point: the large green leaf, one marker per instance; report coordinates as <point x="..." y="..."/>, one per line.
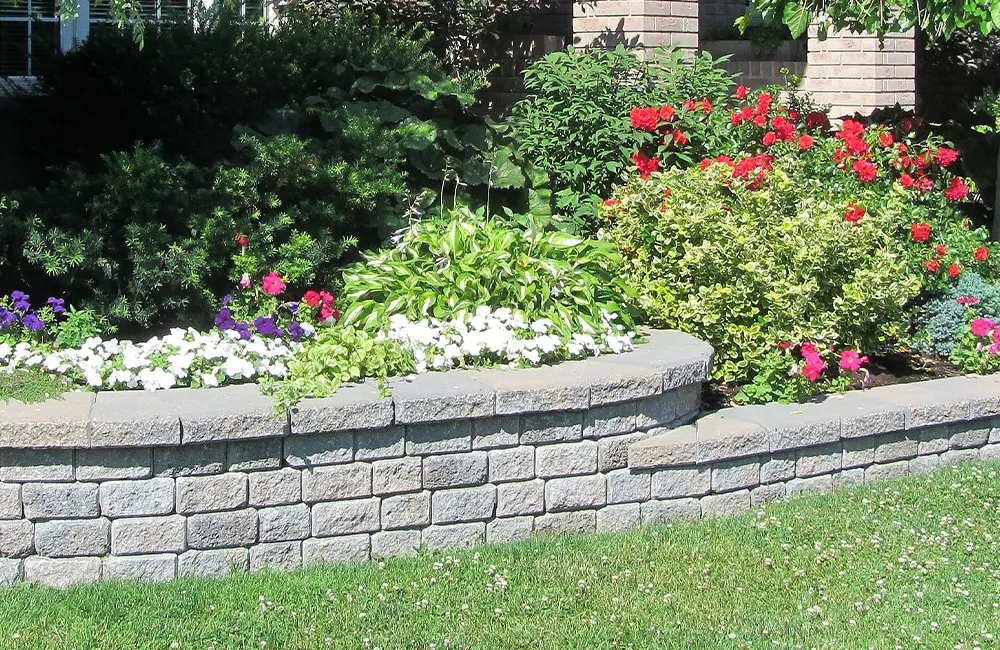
<point x="797" y="17"/>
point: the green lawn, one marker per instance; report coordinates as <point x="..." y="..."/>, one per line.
<point x="910" y="564"/>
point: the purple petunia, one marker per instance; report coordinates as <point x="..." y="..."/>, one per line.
<point x="20" y="300"/>
<point x="294" y="308"/>
<point x="32" y="323"/>
<point x="58" y="305"/>
<point x="265" y="326"/>
<point x="228" y="298"/>
<point x="224" y="320"/>
<point x="295" y="331"/>
<point x="244" y="330"/>
<point x="7" y="318"/>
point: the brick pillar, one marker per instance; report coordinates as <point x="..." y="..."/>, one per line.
<point x="636" y="23"/>
<point x="851" y="71"/>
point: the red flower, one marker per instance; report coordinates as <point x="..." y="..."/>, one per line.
<point x="857" y="146"/>
<point x="741" y="93"/>
<point x="688" y="105"/>
<point x="809" y="349"/>
<point x="933" y="266"/>
<point x="706" y="163"/>
<point x="920" y="232"/>
<point x="886" y="140"/>
<point x="645" y="164"/>
<point x="611" y="202"/>
<point x="736" y="118"/>
<point x="850" y="128"/>
<point x="941" y="250"/>
<point x="957" y="190"/>
<point x="785" y="129"/>
<point x="925" y="184"/>
<point x="644" y="119"/>
<point x="679" y="137"/>
<point x="854" y="214"/>
<point x="982" y="253"/>
<point x="764" y="103"/>
<point x="770" y="138"/>
<point x="906" y="181"/>
<point x="666" y="113"/>
<point x="311" y="298"/>
<point x="946" y="156"/>
<point x="760" y="121"/>
<point x="706" y="106"/>
<point x="818" y="119"/>
<point x="725" y="159"/>
<point x="806" y="142"/>
<point x="243" y="241"/>
<point x="865" y="170"/>
<point x="954" y="271"/>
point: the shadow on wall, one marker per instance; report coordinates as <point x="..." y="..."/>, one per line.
<point x="610" y="38"/>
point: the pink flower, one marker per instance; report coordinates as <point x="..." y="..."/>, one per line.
<point x="273" y="284"/>
<point x="814" y="368"/>
<point x="968" y="300"/>
<point x="851" y="360"/>
<point x="809" y="349"/>
<point x="982" y="326"/>
<point x="245" y="281"/>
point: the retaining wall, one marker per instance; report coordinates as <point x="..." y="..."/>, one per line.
<point x="204" y="482"/>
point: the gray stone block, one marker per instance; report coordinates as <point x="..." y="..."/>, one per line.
<point x="515" y="464"/>
<point x="612" y="383"/>
<point x="397" y="475"/>
<point x="279" y="556"/>
<point x="777" y="468"/>
<point x="336" y="550"/>
<point x="658" y="410"/>
<point x="896" y="446"/>
<point x="148" y="535"/>
<point x="464" y="504"/>
<point x="557" y="426"/>
<point x="887" y="471"/>
<point x="858" y="452"/>
<point x="723" y="505"/>
<point x="335" y="482"/>
<point x="10" y="573"/>
<point x="618" y="518"/>
<point x="455" y="470"/>
<point x="73" y="537"/>
<point x="660" y="512"/>
<point x="568" y="459"/>
<point x="612" y="452"/>
<point x="546" y="388"/>
<point x="378" y="444"/>
<point x="735" y="474"/>
<point x="135" y="419"/>
<point x="681" y="482"/>
<point x="406" y="511"/>
<point x="815" y="484"/>
<point x="36" y="465"/>
<point x="213" y="564"/>
<point x="284" y="523"/>
<point x="990" y="452"/>
<point x="320" y="449"/>
<point x="994" y="431"/>
<point x="968" y="435"/>
<point x="454" y="536"/>
<point x="194" y="460"/>
<point x="62" y="573"/>
<point x="681" y="358"/>
<point x="626" y="486"/>
<point x="222" y="529"/>
<point x="345" y="517"/>
<point x="441" y="396"/>
<point x="928" y="403"/>
<point x="791" y="426"/>
<point x="439" y="437"/>
<point x="277" y="488"/>
<point x="211" y="493"/>
<point x="59" y="500"/>
<point x="849" y="478"/>
<point x="17" y="538"/>
<point x="566" y="523"/>
<point x="396" y="543"/>
<point x="862" y="414"/>
<point x="55" y="423"/>
<point x="924" y="465"/>
<point x="766" y="493"/>
<point x="355" y="406"/>
<point x="509" y="531"/>
<point x="496" y="432"/>
<point x="933" y="440"/>
<point x="722" y="437"/>
<point x="813" y="461"/>
<point x="956" y="456"/>
<point x="609" y="420"/>
<point x="113" y="464"/>
<point x="142" y="568"/>
<point x="666" y="448"/>
<point x="10" y="501"/>
<point x="231" y="413"/>
<point x="576" y="493"/>
<point x="524" y="498"/>
<point x="253" y="455"/>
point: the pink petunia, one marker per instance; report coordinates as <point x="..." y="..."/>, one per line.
<point x="982" y="326"/>
<point x="273" y="284"/>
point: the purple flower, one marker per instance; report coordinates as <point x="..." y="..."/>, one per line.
<point x="20" y="300"/>
<point x="228" y="298"/>
<point x="224" y="320"/>
<point x="32" y="323"/>
<point x="58" y="305"/>
<point x="294" y="308"/>
<point x="265" y="326"/>
<point x="7" y="318"/>
<point x="295" y="331"/>
<point x="244" y="330"/>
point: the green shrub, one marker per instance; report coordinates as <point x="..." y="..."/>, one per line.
<point x="746" y="269"/>
<point x="942" y="320"/>
<point x="447" y="268"/>
<point x="575" y="124"/>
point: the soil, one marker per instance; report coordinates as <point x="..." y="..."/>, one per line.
<point x="898" y="368"/>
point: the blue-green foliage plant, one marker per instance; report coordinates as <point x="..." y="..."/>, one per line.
<point x="943" y="319"/>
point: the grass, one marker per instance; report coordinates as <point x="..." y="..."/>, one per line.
<point x="31" y="386"/>
<point x="909" y="564"/>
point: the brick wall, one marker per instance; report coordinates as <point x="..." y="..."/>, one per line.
<point x="718" y="16"/>
<point x="636" y="23"/>
<point x="853" y="73"/>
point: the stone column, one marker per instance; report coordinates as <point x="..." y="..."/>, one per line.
<point x="636" y="23"/>
<point x="854" y="72"/>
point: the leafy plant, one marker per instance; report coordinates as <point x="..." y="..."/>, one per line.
<point x="779" y="378"/>
<point x="942" y="320"/>
<point x="977" y="350"/>
<point x="446" y="268"/>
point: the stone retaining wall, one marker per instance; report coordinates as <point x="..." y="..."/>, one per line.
<point x="201" y="483"/>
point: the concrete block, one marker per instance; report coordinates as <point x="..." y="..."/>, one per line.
<point x="509" y="531"/>
<point x="545" y="428"/>
<point x="62" y="573"/>
<point x="275" y="488"/>
<point x="442" y="396"/>
<point x="336" y="482"/>
<point x="284" y="523"/>
<point x="454" y="536"/>
<point x="514" y="464"/>
<point x="659" y="512"/>
<point x="222" y="529"/>
<point x="397" y="475"/>
<point x="464" y="504"/>
<point x="213" y="564"/>
<point x="113" y="464"/>
<point x="148" y="535"/>
<point x="280" y="556"/>
<point x="197" y="494"/>
<point x="355" y="406"/>
<point x="455" y="470"/>
<point x="575" y="493"/>
<point x="336" y="550"/>
<point x="681" y="482"/>
<point x="346" y="517"/>
<point x="73" y="538"/>
<point x="568" y="459"/>
<point x="439" y="437"/>
<point x="626" y="486"/>
<point x="618" y="518"/>
<point x="406" y="511"/>
<point x="496" y="432"/>
<point x="378" y="444"/>
<point x="320" y="449"/>
<point x="59" y="500"/>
